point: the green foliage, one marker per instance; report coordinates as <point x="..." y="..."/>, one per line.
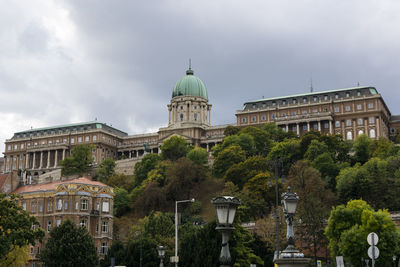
<point x="362" y="148"/>
<point x="143" y="167"/>
<point x="79" y="162"/>
<point x="328" y="169"/>
<point x="349" y="225"/>
<point x="182" y="178"/>
<point x="375" y="182"/>
<point x="122" y="181"/>
<point x="16" y="226"/>
<point x="262" y="141"/>
<point x="383" y="148"/>
<point x="198" y="155"/>
<point x="174" y="148"/>
<point x="243" y="140"/>
<point x="274" y="132"/>
<point x="241" y="172"/>
<point x="315" y="149"/>
<point x="314" y="204"/>
<point x="17" y="257"/>
<point x="226" y="158"/>
<point x="122" y="201"/>
<point x="231" y="130"/>
<point x="105" y="170"/>
<point x="286" y="152"/>
<point x="69" y="245"/>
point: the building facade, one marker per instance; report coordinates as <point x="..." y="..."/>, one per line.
<point x="349" y="112"/>
<point x="86" y="203"/>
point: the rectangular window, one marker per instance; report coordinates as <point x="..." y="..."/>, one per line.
<point x="106" y="206"/>
<point x="40" y="207"/>
<point x="58" y="222"/>
<point x="347" y="108"/>
<point x="59" y="204"/>
<point x="48" y="226"/>
<point x="50" y="205"/>
<point x="315" y="98"/>
<point x="84" y="204"/>
<point x="79" y="139"/>
<point x="304" y="100"/>
<point x="326" y="125"/>
<point x="348" y="122"/>
<point x="86" y="138"/>
<point x="103" y="250"/>
<point x="263" y="118"/>
<point x="360" y="121"/>
<point x="33" y="207"/>
<point x="347" y="94"/>
<point x="371" y="120"/>
<point x="294" y="101"/>
<point x="358" y="93"/>
<point x="22" y="146"/>
<point x="326" y="97"/>
<point x="336" y="96"/>
<point x="24" y="205"/>
<point x="82" y="223"/>
<point x="336" y="109"/>
<point x="283" y="102"/>
<point x="294" y="113"/>
<point x="94" y="137"/>
<point x="253" y="118"/>
<point x="65" y="204"/>
<point x="370" y="105"/>
<point x="72" y="140"/>
<point x="104" y="227"/>
<point x="359" y="106"/>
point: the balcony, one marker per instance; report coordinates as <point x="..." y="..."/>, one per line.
<point x="95" y="212"/>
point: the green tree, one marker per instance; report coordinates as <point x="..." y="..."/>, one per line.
<point x="17" y="227"/>
<point x="17" y="257"/>
<point x="315" y="149"/>
<point x="121" y="180"/>
<point x="362" y="148"/>
<point x="122" y="201"/>
<point x="226" y="158"/>
<point x="262" y="140"/>
<point x="198" y="155"/>
<point x="143" y="167"/>
<point x="231" y="130"/>
<point x="275" y="133"/>
<point x="105" y="170"/>
<point x="243" y="140"/>
<point x="383" y="148"/>
<point x="69" y="245"/>
<point x="314" y="204"/>
<point x="349" y="225"/>
<point x="286" y="152"/>
<point x="174" y="148"/>
<point x="79" y="162"/>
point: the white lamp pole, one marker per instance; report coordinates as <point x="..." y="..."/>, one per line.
<point x="176" y="228"/>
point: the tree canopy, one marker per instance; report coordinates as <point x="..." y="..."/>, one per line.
<point x="17" y="227"/>
<point x="69" y="245"/>
<point x="79" y="162"/>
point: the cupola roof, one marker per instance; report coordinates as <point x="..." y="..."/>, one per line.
<point x="190" y="85"/>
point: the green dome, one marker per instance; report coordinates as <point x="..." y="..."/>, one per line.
<point x="190" y="85"/>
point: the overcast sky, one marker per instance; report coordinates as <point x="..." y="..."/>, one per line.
<point x="118" y="61"/>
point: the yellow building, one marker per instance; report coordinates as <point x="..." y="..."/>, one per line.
<point x="85" y="202"/>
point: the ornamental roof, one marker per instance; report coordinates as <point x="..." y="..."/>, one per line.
<point x="190" y="85"/>
<point x="49" y="187"/>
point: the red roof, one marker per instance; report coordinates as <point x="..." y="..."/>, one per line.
<point x="3" y="178"/>
<point x="52" y="186"/>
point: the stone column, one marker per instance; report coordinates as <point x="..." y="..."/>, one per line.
<point x="56" y="159"/>
<point x="308" y="126"/>
<point x="330" y="127"/>
<point x="41" y="160"/>
<point x="63" y="154"/>
<point x="287" y="128"/>
<point x="354" y="123"/>
<point x="208" y="148"/>
<point x="319" y="126"/>
<point x="378" y="134"/>
<point x="48" y="159"/>
<point x="34" y="160"/>
<point x="297" y="128"/>
<point x="130" y="154"/>
<point x="27" y="161"/>
<point x="366" y="126"/>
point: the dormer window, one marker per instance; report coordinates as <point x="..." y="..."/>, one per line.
<point x="294" y="101"/>
<point x="304" y="100"/>
<point x="273" y="103"/>
<point x="336" y="96"/>
<point x="283" y="102"/>
<point x="325" y="97"/>
<point x="315" y="98"/>
<point x="347" y="94"/>
<point x="358" y="93"/>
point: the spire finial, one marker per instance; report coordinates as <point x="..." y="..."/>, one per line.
<point x="190" y="63"/>
<point x="190" y="71"/>
<point x="311" y="86"/>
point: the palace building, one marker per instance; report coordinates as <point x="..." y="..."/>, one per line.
<point x="87" y="203"/>
<point x="349" y="112"/>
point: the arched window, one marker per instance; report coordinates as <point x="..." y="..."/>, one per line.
<point x="349" y="136"/>
<point x="372" y="133"/>
<point x="360" y="132"/>
<point x="181" y="116"/>
<point x="195" y="117"/>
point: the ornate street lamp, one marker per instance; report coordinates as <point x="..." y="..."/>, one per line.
<point x="289" y="203"/>
<point x="161" y="254"/>
<point x="225" y="208"/>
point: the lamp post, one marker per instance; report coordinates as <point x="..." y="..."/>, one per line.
<point x="289" y="203"/>
<point x="176" y="259"/>
<point x="225" y="208"/>
<point x="394" y="260"/>
<point x="276" y="211"/>
<point x="161" y="254"/>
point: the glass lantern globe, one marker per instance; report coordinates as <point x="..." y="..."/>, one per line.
<point x="225" y="208"/>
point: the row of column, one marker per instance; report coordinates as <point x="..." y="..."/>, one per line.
<point x="308" y="126"/>
<point x="41" y="161"/>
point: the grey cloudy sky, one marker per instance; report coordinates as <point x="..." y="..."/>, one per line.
<point x="72" y="61"/>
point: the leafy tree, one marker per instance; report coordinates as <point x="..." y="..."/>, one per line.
<point x="314" y="204"/>
<point x="106" y="170"/>
<point x="16" y="229"/>
<point x="274" y="132"/>
<point x="182" y="178"/>
<point x="174" y="148"/>
<point x="122" y="201"/>
<point x="243" y="140"/>
<point x="383" y="148"/>
<point x="241" y="172"/>
<point x="226" y="158"/>
<point x="362" y="148"/>
<point x="328" y="169"/>
<point x="69" y="245"/>
<point x="315" y="149"/>
<point x="286" y="152"/>
<point x="143" y="167"/>
<point x="231" y="130"/>
<point x="198" y="155"/>
<point x="79" y="162"/>
<point x="121" y="180"/>
<point x="17" y="257"/>
<point x="349" y="225"/>
<point x="262" y="141"/>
